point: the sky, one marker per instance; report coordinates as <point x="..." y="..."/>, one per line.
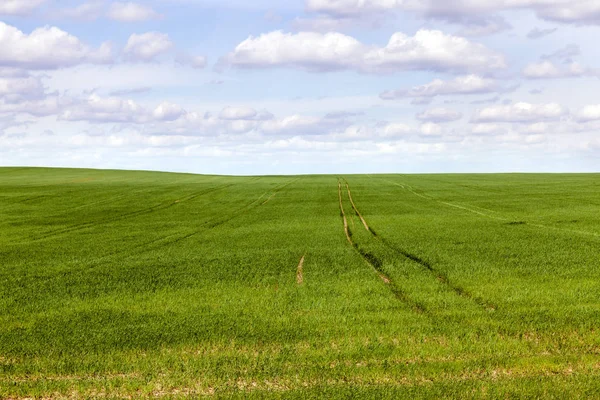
<point x="301" y="86"/>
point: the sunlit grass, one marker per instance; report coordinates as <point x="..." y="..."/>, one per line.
<point x="149" y="284"/>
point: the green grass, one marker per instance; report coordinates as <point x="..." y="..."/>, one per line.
<point x="135" y="284"/>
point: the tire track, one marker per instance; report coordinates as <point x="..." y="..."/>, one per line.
<point x="168" y="240"/>
<point x="376" y="264"/>
<point x="124" y="216"/>
<point x="442" y="278"/>
<point x="356" y="209"/>
<point x="300" y="271"/>
<point x="343" y="214"/>
<point x="499" y="218"/>
<point x="458" y="206"/>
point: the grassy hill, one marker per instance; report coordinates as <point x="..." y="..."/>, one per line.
<point x="117" y="284"/>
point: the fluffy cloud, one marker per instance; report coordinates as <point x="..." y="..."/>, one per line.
<point x="168" y="112"/>
<point x="99" y="109"/>
<point x="131" y="12"/>
<point x="235" y="113"/>
<point x="147" y="46"/>
<point x="520" y="112"/>
<point x="394" y="130"/>
<point x="439" y="115"/>
<point x="486" y="130"/>
<point x="46" y="48"/>
<point x="19" y="7"/>
<point x="462" y="85"/>
<point x="589" y="113"/>
<point x="312" y="51"/>
<point x="47" y="106"/>
<point x="16" y="86"/>
<point x="484" y="26"/>
<point x="295" y="125"/>
<point x="559" y="64"/>
<point x="549" y="70"/>
<point x="431" y="129"/>
<point x="197" y="62"/>
<point x="566" y="11"/>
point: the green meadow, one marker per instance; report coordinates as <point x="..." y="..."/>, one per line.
<point x="119" y="284"/>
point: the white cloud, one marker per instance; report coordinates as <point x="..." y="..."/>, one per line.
<point x="439" y="115"/>
<point x="19" y="7"/>
<point x="238" y="113"/>
<point x="19" y="87"/>
<point x="167" y="112"/>
<point x="487" y="129"/>
<point x="462" y="85"/>
<point x="88" y="11"/>
<point x="589" y="113"/>
<point x="50" y="105"/>
<point x="295" y="125"/>
<point x="484" y="26"/>
<point x="312" y="51"/>
<point x="393" y="130"/>
<point x="47" y="48"/>
<point x="111" y="109"/>
<point x="197" y="62"/>
<point x="566" y="11"/>
<point x="131" y="12"/>
<point x="431" y="129"/>
<point x="147" y="46"/>
<point x="520" y="112"/>
<point x="549" y="70"/>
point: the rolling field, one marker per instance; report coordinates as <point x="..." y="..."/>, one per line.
<point x="121" y="284"/>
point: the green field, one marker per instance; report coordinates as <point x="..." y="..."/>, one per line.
<point x="116" y="284"/>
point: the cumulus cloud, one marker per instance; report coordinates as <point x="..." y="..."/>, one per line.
<point x="487" y="130"/>
<point x="105" y="109"/>
<point x="167" y="112"/>
<point x="559" y="64"/>
<point x="520" y="112"/>
<point x="117" y="11"/>
<point x="549" y="70"/>
<point x="147" y="46"/>
<point x="589" y="113"/>
<point x="47" y="48"/>
<point x="131" y="12"/>
<point x="431" y="129"/>
<point x="395" y="130"/>
<point x="235" y="113"/>
<point x="484" y="26"/>
<point x="20" y="88"/>
<point x="197" y="62"/>
<point x="462" y="85"/>
<point x="46" y="106"/>
<point x="88" y="11"/>
<point x="439" y="115"/>
<point x="427" y="50"/>
<point x="19" y="7"/>
<point x="295" y="124"/>
<point x="461" y="11"/>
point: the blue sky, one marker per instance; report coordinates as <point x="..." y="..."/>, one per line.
<point x="308" y="86"/>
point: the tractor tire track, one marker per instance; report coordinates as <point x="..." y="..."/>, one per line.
<point x="376" y="264"/>
<point x="499" y="218"/>
<point x="356" y="209"/>
<point x="300" y="271"/>
<point x="169" y="240"/>
<point x="442" y="278"/>
<point x="343" y="214"/>
<point x="125" y="216"/>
